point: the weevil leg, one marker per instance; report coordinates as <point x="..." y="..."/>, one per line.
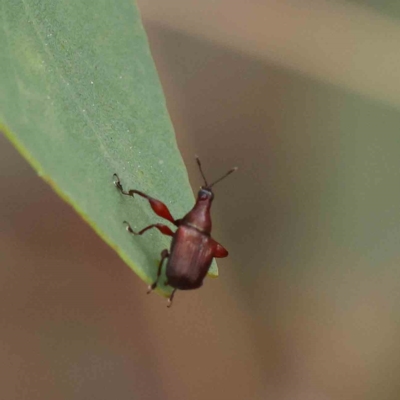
<point x="219" y="251"/>
<point x="164" y="229"/>
<point x="169" y="304"/>
<point x="158" y="206"/>
<point x="164" y="255"/>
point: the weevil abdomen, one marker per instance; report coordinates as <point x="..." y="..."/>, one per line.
<point x="190" y="258"/>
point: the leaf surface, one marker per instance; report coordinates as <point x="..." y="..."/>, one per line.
<point x="80" y="98"/>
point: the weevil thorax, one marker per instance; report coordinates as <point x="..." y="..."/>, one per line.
<point x="199" y="216"/>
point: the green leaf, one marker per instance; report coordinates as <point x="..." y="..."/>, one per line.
<point x="80" y="98"/>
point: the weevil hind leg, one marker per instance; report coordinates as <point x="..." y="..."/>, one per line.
<point x="219" y="250"/>
<point x="164" y="255"/>
<point x="169" y="304"/>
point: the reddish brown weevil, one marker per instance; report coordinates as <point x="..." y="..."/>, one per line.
<point x="192" y="247"/>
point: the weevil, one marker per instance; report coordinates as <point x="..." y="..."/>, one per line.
<point x="192" y="248"/>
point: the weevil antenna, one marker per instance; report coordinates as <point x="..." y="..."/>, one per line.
<point x="201" y="171"/>
<point x="223" y="177"/>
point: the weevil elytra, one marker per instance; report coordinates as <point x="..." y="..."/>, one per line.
<point x="192" y="248"/>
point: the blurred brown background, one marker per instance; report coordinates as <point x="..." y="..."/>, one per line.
<point x="304" y="97"/>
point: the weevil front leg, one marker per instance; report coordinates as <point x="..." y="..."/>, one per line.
<point x="164" y="255"/>
<point x="158" y="206"/>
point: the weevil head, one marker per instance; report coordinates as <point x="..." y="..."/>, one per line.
<point x="199" y="216"/>
<point x="205" y="194"/>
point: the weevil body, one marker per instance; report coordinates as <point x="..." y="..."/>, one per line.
<point x="192" y="248"/>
